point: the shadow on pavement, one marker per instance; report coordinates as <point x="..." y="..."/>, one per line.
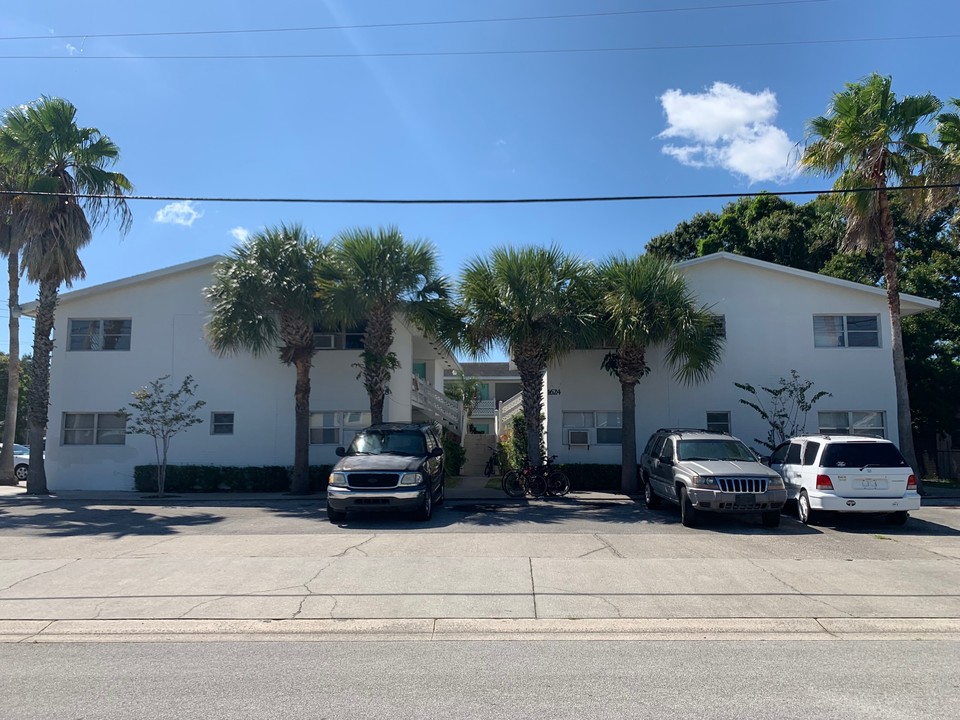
<point x="876" y="525"/>
<point x="82" y="519"/>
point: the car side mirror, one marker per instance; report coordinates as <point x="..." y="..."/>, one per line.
<point x="665" y="460"/>
<point x="341" y="451"/>
<point x="436" y="452"/>
<point x="764" y="460"/>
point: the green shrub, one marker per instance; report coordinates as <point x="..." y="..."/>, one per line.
<point x="453" y="453"/>
<point x="218" y="478"/>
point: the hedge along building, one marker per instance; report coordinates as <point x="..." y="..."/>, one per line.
<point x="776" y="319"/>
<point x="112" y="339"/>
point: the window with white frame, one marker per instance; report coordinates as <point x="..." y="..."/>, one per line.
<point x="609" y="428"/>
<point x="852" y="422"/>
<point x="99" y="334"/>
<point x="94" y="429"/>
<point x="336" y="427"/>
<point x="846" y="331"/>
<point x="221" y="423"/>
<point x="718" y="421"/>
<point x="339" y="339"/>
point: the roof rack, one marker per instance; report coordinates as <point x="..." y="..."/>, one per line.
<point x="691" y="429"/>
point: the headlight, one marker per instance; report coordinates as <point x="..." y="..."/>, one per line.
<point x="703" y="481"/>
<point x="338" y="478"/>
<point x="775" y="483"/>
<point x="411" y="479"/>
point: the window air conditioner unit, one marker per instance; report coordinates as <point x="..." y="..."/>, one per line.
<point x="578" y="437"/>
<point x="323" y="341"/>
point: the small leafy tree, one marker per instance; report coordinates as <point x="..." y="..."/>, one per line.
<point x="786" y="408"/>
<point x="161" y="414"/>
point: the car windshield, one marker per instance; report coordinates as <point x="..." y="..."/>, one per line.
<point x="386" y="442"/>
<point x="19" y="449"/>
<point x="862" y="454"/>
<point x="714" y="450"/>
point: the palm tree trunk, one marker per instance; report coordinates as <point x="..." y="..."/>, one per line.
<point x="628" y="441"/>
<point x="904" y="419"/>
<point x="38" y="407"/>
<point x="13" y="376"/>
<point x="376" y="363"/>
<point x="300" y="482"/>
<point x="531" y="366"/>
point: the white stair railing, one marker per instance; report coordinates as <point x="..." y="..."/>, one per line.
<point x="508" y="408"/>
<point x="436" y="405"/>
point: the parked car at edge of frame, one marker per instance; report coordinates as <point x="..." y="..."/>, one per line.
<point x="704" y="471"/>
<point x="21" y="462"/>
<point x="388" y="467"/>
<point x="846" y="474"/>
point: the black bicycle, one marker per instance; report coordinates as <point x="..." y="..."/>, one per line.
<point x="492" y="462"/>
<point x="528" y="480"/>
<point x="557" y="481"/>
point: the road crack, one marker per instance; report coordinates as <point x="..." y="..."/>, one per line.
<point x="42" y="572"/>
<point x="799" y="592"/>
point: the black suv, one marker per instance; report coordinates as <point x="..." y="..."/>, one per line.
<point x="390" y="466"/>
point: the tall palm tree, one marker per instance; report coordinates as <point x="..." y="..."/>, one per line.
<point x="871" y="139"/>
<point x="947" y="169"/>
<point x="9" y="248"/>
<point x="534" y="303"/>
<point x="644" y="302"/>
<point x="379" y="274"/>
<point x="268" y="294"/>
<point x="47" y="152"/>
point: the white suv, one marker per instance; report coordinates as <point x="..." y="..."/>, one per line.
<point x="846" y="473"/>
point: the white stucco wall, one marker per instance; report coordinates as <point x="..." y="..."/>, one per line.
<point x="769" y="329"/>
<point x="168" y="315"/>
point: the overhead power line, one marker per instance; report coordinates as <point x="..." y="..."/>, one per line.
<point x="425" y="23"/>
<point x="466" y="53"/>
<point x="481" y="201"/>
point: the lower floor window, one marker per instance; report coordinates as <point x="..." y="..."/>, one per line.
<point x="327" y="428"/>
<point x="94" y="429"/>
<point x="221" y="423"/>
<point x="609" y="428"/>
<point x="718" y="421"/>
<point x="602" y="428"/>
<point x="852" y="422"/>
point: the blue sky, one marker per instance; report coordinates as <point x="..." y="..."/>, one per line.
<point x="680" y="116"/>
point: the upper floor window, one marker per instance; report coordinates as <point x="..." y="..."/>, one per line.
<point x="846" y="331"/>
<point x="719" y="323"/>
<point x="94" y="429"/>
<point x="100" y="334"/>
<point x="339" y="339"/>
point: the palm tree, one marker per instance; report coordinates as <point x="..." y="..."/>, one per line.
<point x="872" y="140"/>
<point x="9" y="248"/>
<point x="47" y="152"/>
<point x="645" y="302"/>
<point x="535" y="304"/>
<point x="268" y="293"/>
<point x="379" y="274"/>
<point x="947" y="170"/>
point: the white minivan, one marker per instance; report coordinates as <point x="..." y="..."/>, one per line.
<point x="847" y="474"/>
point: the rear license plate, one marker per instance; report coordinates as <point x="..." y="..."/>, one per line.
<point x="744" y="499"/>
<point x="871" y="484"/>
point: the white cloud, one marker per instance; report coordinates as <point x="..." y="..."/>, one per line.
<point x="178" y="213"/>
<point x="240" y="233"/>
<point x="729" y="128"/>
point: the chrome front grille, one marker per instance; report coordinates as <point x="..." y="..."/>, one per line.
<point x="372" y="480"/>
<point x="742" y="484"/>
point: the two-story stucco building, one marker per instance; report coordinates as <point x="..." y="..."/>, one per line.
<point x="112" y="339"/>
<point x="116" y="337"/>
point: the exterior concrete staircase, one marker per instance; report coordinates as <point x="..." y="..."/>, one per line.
<point x="477" y="448"/>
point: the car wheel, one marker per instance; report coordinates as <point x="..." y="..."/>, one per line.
<point x="21" y="471"/>
<point x="771" y="519"/>
<point x="650" y="498"/>
<point x="805" y="513"/>
<point x="897" y="518"/>
<point x="426" y="510"/>
<point x="688" y="513"/>
<point x="336" y="516"/>
<point x="443" y="490"/>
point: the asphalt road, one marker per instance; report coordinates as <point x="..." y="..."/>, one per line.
<point x="502" y="680"/>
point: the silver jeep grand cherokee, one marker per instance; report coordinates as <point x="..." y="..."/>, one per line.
<point x="707" y="471"/>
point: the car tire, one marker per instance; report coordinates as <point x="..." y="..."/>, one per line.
<point x="688" y="513"/>
<point x="336" y="516"/>
<point x="21" y="471"/>
<point x="650" y="498"/>
<point x="771" y="519"/>
<point x="806" y="514"/>
<point x="426" y="510"/>
<point x="442" y="498"/>
<point x="897" y="518"/>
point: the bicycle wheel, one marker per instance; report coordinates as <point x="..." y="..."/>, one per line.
<point x="488" y="468"/>
<point x="512" y="484"/>
<point x="558" y="483"/>
<point x="536" y="485"/>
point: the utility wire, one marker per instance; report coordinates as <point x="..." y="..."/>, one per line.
<point x="465" y="53"/>
<point x="427" y="23"/>
<point x="479" y="201"/>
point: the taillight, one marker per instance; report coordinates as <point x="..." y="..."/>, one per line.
<point x="823" y="482"/>
<point x="912" y="482"/>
